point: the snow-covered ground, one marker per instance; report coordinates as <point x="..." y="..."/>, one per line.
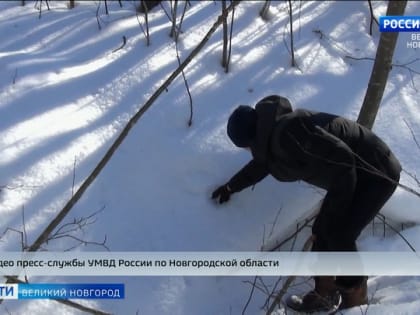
<point x="66" y="93"/>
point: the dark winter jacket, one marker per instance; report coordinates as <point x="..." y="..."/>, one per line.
<point x="322" y="149"/>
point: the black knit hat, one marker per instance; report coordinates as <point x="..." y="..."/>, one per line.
<point x="242" y="126"/>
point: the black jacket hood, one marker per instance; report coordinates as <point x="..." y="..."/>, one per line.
<point x="269" y="110"/>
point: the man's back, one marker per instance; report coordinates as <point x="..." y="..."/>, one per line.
<point x="364" y="143"/>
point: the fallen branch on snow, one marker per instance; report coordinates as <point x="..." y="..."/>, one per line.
<point x="122" y="45"/>
<point x="288" y="282"/>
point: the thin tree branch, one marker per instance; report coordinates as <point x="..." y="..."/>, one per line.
<point x="294" y="239"/>
<point x="169" y="16"/>
<point x="413" y="176"/>
<point x="397" y="232"/>
<point x="74" y="177"/>
<point x="267" y="301"/>
<point x="361" y="58"/>
<point x="250" y="296"/>
<point x="15" y="76"/>
<point x="124" y="38"/>
<point x="166" y="12"/>
<point x="7" y="310"/>
<point x="275" y="222"/>
<point x="331" y="41"/>
<point x="40" y="6"/>
<point x="145" y="32"/>
<point x="20" y="186"/>
<point x="372" y="17"/>
<point x="97" y="16"/>
<point x="258" y="286"/>
<point x="400" y="65"/>
<point x="190" y="119"/>
<point x="78" y="225"/>
<point x="288" y="281"/>
<point x="305" y="224"/>
<point x="175" y="31"/>
<point x="179" y="28"/>
<point x="265" y="289"/>
<point x="25" y="235"/>
<point x="367" y="168"/>
<point x="412" y="133"/>
<point x="22" y="238"/>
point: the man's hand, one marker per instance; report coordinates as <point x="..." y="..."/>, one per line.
<point x="223" y="193"/>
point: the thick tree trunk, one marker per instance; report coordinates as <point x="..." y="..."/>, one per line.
<point x="381" y="68"/>
<point x="147" y="5"/>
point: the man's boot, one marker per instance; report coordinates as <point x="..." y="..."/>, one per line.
<point x="325" y="297"/>
<point x="354" y="296"/>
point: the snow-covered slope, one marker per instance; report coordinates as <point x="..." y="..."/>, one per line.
<point x="66" y="92"/>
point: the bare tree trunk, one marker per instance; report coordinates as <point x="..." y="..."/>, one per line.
<point x="176" y="30"/>
<point x="174" y="9"/>
<point x="230" y="40"/>
<point x="40" y="6"/>
<point x="146" y="20"/>
<point x="147" y="5"/>
<point x="71" y="4"/>
<point x="179" y="27"/>
<point x="265" y="9"/>
<point x="381" y="68"/>
<point x="97" y="16"/>
<point x="225" y="36"/>
<point x="106" y="8"/>
<point x="292" y="45"/>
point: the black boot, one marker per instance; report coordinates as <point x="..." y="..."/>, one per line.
<point x="354" y="296"/>
<point x="325" y="297"/>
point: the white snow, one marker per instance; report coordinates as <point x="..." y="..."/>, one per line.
<point x="65" y="96"/>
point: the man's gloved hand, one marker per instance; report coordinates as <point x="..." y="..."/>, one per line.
<point x="223" y="193"/>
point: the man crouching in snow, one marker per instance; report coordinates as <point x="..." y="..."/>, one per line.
<point x="355" y="167"/>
